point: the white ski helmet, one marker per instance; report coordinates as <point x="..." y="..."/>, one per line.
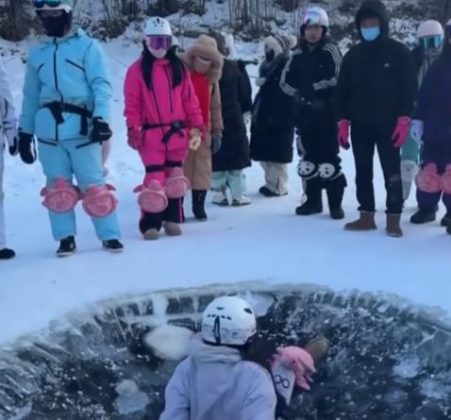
<point x="430" y="28"/>
<point x="228" y="320"/>
<point x="314" y="15"/>
<point x="157" y="26"/>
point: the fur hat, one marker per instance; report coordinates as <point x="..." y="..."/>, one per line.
<point x="206" y="47"/>
<point x="280" y="43"/>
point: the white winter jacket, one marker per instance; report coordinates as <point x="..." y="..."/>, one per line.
<point x="214" y="383"/>
<point x="8" y="119"/>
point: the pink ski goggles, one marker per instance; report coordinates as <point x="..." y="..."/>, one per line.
<point x="159" y="42"/>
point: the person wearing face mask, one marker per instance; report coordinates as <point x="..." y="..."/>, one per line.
<point x="234" y="155"/>
<point x="311" y="77"/>
<point x="205" y="64"/>
<point x="272" y="128"/>
<point x="431" y="128"/>
<point x="66" y="101"/>
<point x="375" y="97"/>
<point x="430" y="37"/>
<point x="164" y="120"/>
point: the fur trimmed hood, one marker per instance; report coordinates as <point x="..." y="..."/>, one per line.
<point x="205" y="47"/>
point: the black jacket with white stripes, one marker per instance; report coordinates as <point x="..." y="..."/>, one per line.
<point x="311" y="74"/>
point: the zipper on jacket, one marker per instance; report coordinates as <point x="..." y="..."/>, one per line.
<point x="55" y="76"/>
<point x="158" y="110"/>
<point x="170" y="88"/>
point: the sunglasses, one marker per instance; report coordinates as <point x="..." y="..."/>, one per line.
<point x="159" y="42"/>
<point x="428" y="42"/>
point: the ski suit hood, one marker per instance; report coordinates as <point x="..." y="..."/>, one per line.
<point x="214" y="383"/>
<point x="370" y="9"/>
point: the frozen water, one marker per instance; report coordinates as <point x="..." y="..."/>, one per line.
<point x="114" y="364"/>
<point x="168" y="342"/>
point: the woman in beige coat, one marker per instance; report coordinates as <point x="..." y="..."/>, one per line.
<point x="205" y="64"/>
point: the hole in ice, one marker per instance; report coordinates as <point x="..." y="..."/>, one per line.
<point x="388" y="361"/>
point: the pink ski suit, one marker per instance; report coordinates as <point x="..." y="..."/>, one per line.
<point x="154" y="110"/>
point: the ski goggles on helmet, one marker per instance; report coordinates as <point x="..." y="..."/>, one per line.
<point x="159" y="42"/>
<point x="429" y="42"/>
<point x="39" y="4"/>
<point x="311" y="18"/>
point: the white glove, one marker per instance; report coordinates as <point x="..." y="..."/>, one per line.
<point x="195" y="139"/>
<point x="416" y="131"/>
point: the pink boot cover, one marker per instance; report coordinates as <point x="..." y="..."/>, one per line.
<point x="428" y="180"/>
<point x="152" y="198"/>
<point x="446" y="180"/>
<point x="99" y="201"/>
<point x="177" y="184"/>
<point x="61" y="197"/>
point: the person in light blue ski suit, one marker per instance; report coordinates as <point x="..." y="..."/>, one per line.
<point x="66" y="106"/>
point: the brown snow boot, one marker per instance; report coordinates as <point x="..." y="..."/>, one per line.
<point x="318" y="348"/>
<point x="151" y="234"/>
<point x="172" y="229"/>
<point x="365" y="222"/>
<point x="393" y="229"/>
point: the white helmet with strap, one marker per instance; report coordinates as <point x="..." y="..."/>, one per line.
<point x="157" y="26"/>
<point x="228" y="321"/>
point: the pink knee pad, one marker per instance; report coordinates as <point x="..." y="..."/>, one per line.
<point x="99" y="201"/>
<point x="446" y="180"/>
<point x="152" y="198"/>
<point x="428" y="180"/>
<point x="177" y="184"/>
<point x="61" y="197"/>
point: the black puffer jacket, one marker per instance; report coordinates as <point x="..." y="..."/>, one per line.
<point x="377" y="82"/>
<point x="272" y="128"/>
<point x="236" y="99"/>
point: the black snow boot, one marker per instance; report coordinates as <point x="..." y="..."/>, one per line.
<point x="199" y="205"/>
<point x="335" y="191"/>
<point x="423" y="216"/>
<point x="314" y="202"/>
<point x="7" y="254"/>
<point x="67" y="247"/>
<point x="113" y="246"/>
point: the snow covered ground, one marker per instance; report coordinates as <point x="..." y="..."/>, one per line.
<point x="263" y="242"/>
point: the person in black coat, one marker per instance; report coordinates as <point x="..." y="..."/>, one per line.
<point x="375" y="97"/>
<point x="272" y="129"/>
<point x="311" y="77"/>
<point x="234" y="154"/>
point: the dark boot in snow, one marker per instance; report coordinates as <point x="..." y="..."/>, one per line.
<point x="67" y="247"/>
<point x="314" y="202"/>
<point x="113" y="246"/>
<point x="423" y="216"/>
<point x="446" y="220"/>
<point x="199" y="205"/>
<point x="7" y="254"/>
<point x="364" y="223"/>
<point x="335" y="191"/>
<point x="265" y="191"/>
<point x="393" y="228"/>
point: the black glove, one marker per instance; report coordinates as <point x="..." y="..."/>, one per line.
<point x="14" y="147"/>
<point x="27" y="147"/>
<point x="101" y="131"/>
<point x="216" y="143"/>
